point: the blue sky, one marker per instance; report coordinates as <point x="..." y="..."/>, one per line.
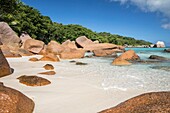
<point x="142" y="19"/>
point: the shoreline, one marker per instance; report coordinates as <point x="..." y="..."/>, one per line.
<point x="73" y="89"/>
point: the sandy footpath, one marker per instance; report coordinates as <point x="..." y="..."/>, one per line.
<point x="70" y="91"/>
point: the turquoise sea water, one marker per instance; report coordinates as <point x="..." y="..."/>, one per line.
<point x="139" y="76"/>
<point x="144" y="53"/>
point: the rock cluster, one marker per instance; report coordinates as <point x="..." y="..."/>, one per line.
<point x="14" y="46"/>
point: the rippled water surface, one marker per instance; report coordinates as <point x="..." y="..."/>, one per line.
<point x="100" y="73"/>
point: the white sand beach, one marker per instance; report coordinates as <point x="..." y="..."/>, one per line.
<point x="74" y="89"/>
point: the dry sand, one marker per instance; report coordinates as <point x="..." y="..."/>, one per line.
<point x="71" y="90"/>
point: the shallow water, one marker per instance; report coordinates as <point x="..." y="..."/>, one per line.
<point x="101" y="74"/>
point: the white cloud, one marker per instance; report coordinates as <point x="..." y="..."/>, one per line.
<point x="166" y="26"/>
<point x="161" y="6"/>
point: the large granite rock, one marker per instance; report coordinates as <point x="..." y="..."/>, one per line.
<point x="54" y="47"/>
<point x="23" y="52"/>
<point x="120" y="62"/>
<point x="88" y="45"/>
<point x="69" y="44"/>
<point x="105" y="52"/>
<point x="33" y="80"/>
<point x="155" y="102"/>
<point x="72" y="54"/>
<point x="156" y="57"/>
<point x="124" y="58"/>
<point x="13" y="101"/>
<point x="83" y="41"/>
<point x="8" y="52"/>
<point x="159" y="44"/>
<point x="129" y="55"/>
<point x="34" y="46"/>
<point x="8" y="36"/>
<point x="4" y="66"/>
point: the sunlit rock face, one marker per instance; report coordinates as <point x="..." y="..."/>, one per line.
<point x="13" y="101"/>
<point x="8" y="36"/>
<point x="159" y="44"/>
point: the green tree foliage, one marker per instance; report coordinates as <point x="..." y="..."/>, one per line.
<point x="8" y="6"/>
<point x="22" y="17"/>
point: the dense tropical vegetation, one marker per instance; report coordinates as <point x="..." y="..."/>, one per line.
<point x="22" y="17"/>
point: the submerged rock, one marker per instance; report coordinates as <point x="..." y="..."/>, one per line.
<point x="48" y="73"/>
<point x="147" y="62"/>
<point x="167" y="50"/>
<point x="48" y="67"/>
<point x="13" y="101"/>
<point x="155" y="102"/>
<point x="165" y="68"/>
<point x="33" y="80"/>
<point x="156" y="57"/>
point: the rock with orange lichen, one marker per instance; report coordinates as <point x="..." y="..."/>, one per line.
<point x="33" y="80"/>
<point x="155" y="102"/>
<point x="48" y="67"/>
<point x="48" y="73"/>
<point x="13" y="101"/>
